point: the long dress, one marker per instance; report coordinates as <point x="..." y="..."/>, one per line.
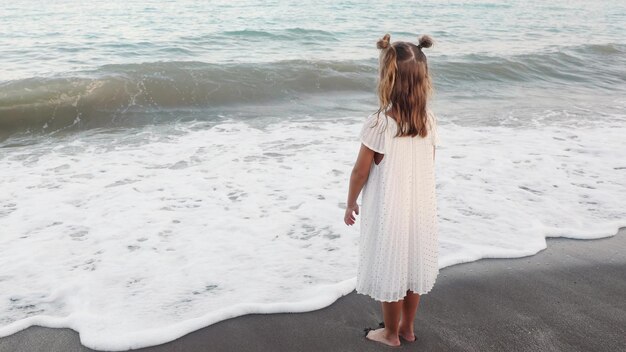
<point x="398" y="243"/>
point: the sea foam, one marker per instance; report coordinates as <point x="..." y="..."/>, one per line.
<point x="134" y="239"/>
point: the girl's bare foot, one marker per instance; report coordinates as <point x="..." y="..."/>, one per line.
<point x="382" y="335"/>
<point x="406" y="333"/>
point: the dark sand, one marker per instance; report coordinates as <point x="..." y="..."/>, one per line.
<point x="569" y="297"/>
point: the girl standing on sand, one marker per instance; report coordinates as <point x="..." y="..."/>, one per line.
<point x="398" y="245"/>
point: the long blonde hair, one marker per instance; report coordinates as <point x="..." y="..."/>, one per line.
<point x="404" y="85"/>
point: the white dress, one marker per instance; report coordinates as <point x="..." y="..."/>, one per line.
<point x="398" y="244"/>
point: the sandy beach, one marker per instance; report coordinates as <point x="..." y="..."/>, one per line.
<point x="569" y="297"/>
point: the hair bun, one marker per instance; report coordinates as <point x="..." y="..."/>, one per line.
<point x="425" y="41"/>
<point x="383" y="43"/>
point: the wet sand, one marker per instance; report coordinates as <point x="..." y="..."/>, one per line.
<point x="569" y="297"/>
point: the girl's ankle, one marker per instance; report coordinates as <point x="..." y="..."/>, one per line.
<point x="390" y="334"/>
<point x="406" y="327"/>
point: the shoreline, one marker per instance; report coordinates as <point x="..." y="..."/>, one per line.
<point x="568" y="296"/>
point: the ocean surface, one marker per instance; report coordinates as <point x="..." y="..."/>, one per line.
<point x="165" y="165"/>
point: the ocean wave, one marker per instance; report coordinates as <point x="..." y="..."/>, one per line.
<point x="285" y="34"/>
<point x="116" y="93"/>
<point x="594" y="65"/>
<point x="113" y="92"/>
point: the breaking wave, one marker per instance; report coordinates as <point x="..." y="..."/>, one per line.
<point x="113" y="94"/>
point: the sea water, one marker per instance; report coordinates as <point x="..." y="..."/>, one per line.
<point x="171" y="164"/>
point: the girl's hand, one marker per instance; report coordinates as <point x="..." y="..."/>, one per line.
<point x="349" y="218"/>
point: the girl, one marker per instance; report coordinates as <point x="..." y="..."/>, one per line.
<point x="395" y="168"/>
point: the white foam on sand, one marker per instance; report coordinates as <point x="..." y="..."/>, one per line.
<point x="137" y="239"/>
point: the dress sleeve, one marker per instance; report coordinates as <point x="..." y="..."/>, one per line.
<point x="434" y="130"/>
<point x="373" y="133"/>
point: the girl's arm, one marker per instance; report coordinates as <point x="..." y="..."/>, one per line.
<point x="360" y="173"/>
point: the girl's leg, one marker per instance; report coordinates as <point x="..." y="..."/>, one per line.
<point x="391" y="316"/>
<point x="409" y="309"/>
<point x="389" y="334"/>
